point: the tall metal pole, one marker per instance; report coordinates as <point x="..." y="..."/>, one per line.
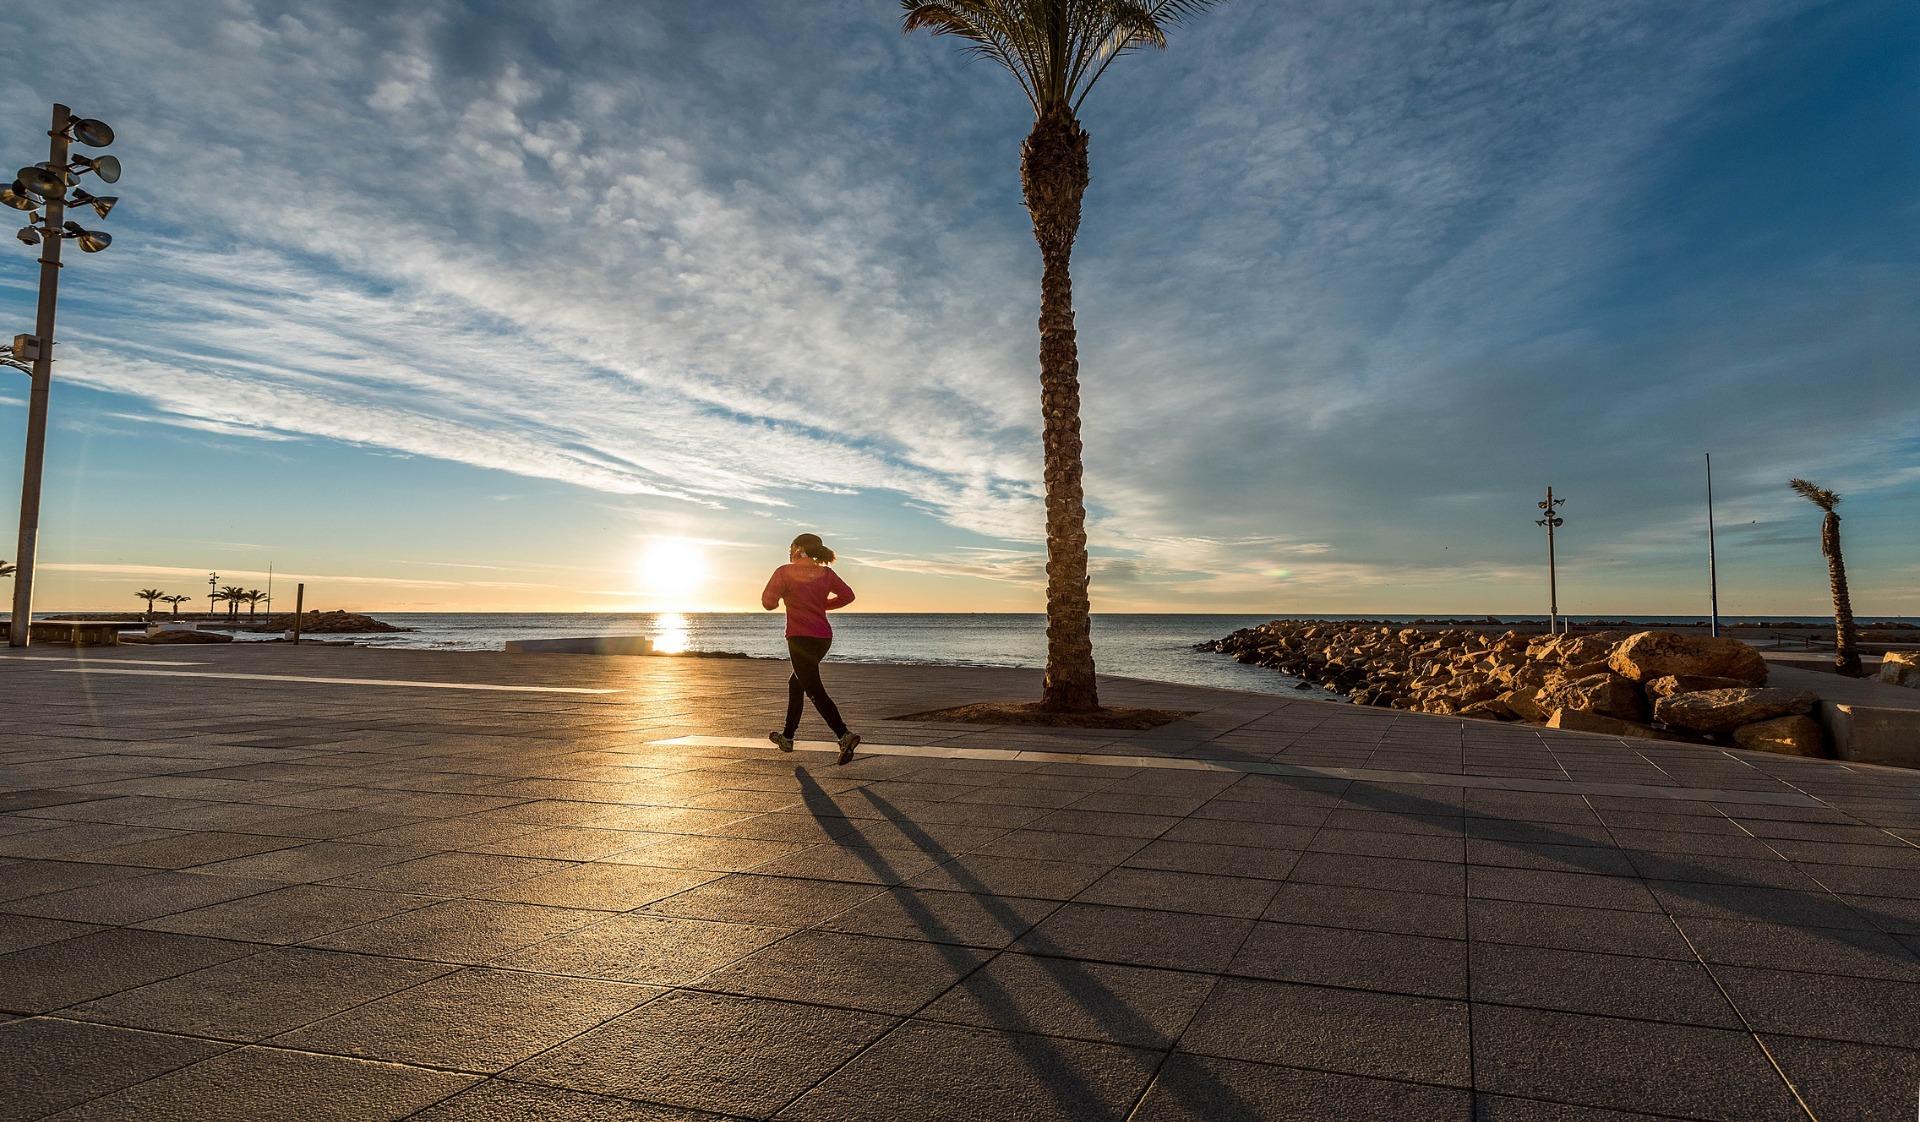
<point x="18" y="634"/>
<point x="1553" y="583"/>
<point x="1713" y="563"/>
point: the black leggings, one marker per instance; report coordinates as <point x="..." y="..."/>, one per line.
<point x="806" y="652"/>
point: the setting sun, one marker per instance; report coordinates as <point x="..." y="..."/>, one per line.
<point x="670" y="572"/>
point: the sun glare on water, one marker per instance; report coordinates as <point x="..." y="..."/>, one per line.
<point x="670" y="573"/>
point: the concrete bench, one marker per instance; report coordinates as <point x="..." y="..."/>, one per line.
<point x="75" y="632"/>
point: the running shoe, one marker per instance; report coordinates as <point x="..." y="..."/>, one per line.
<point x="848" y="743"/>
<point x="781" y="741"/>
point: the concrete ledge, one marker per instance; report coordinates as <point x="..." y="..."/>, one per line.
<point x="591" y="644"/>
<point x="1866" y="734"/>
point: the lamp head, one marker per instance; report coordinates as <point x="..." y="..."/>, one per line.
<point x="46" y="183"/>
<point x="28" y="235"/>
<point x="106" y="167"/>
<point x="90" y="241"/>
<point x="100" y="205"/>
<point x="15" y="195"/>
<point x="92" y="133"/>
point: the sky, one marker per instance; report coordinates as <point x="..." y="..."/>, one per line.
<point x="554" y="305"/>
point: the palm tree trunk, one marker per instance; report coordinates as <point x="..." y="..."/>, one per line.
<point x="1846" y="638"/>
<point x="1053" y="175"/>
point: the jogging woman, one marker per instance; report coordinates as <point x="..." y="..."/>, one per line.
<point x="810" y="589"/>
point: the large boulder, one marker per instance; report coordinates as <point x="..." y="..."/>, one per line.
<point x="1656" y="654"/>
<point x="1901" y="668"/>
<point x="1609" y="695"/>
<point x="1791" y="735"/>
<point x="1712" y="711"/>
<point x="1580" y="720"/>
<point x="1670" y="684"/>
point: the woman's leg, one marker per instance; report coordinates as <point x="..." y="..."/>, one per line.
<point x="795" y="692"/>
<point x="807" y="653"/>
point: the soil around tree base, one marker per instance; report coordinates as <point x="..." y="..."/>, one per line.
<point x="1030" y="713"/>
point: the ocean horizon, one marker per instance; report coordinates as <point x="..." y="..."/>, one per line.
<point x="1152" y="646"/>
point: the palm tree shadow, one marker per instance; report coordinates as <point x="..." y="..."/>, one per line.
<point x="1041" y="1053"/>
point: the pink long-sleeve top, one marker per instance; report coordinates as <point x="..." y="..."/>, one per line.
<point x="810" y="592"/>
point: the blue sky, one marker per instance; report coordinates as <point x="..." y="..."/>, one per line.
<point x="476" y="305"/>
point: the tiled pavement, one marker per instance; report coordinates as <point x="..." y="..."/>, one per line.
<point x="276" y="890"/>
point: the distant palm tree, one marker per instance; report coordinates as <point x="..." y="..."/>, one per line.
<point x="1056" y="50"/>
<point x="1846" y="639"/>
<point x="176" y="600"/>
<point x="254" y="596"/>
<point x="6" y="568"/>
<point x="234" y="596"/>
<point x="149" y="595"/>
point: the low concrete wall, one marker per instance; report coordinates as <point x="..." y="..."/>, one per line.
<point x="592" y="644"/>
<point x="1869" y="734"/>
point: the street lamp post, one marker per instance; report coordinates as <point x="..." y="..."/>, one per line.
<point x="1713" y="562"/>
<point x="1552" y="522"/>
<point x="37" y="187"/>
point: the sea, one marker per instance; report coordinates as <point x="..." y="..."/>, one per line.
<point x="1154" y="647"/>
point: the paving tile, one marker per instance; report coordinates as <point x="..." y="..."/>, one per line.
<point x="1369" y="960"/>
<point x="20" y="932"/>
<point x="1137" y="937"/>
<point x="1607" y="984"/>
<point x="894" y="976"/>
<point x="1389" y="1036"/>
<point x="1058" y="845"/>
<point x="1378" y="843"/>
<point x="1197" y="893"/>
<point x="1648" y="934"/>
<point x="55" y="975"/>
<point x="1223" y="831"/>
<point x="291" y="914"/>
<point x="502" y="1100"/>
<point x="773" y="901"/>
<point x="1009" y="876"/>
<point x="65" y="843"/>
<point x="469" y="932"/>
<point x="607" y="887"/>
<point x="930" y="1071"/>
<point x="315" y="861"/>
<point x="658" y="950"/>
<point x="717" y="1052"/>
<point x="571" y="843"/>
<point x="180" y="851"/>
<point x="139" y="898"/>
<point x="1510" y="1108"/>
<point x="969" y="919"/>
<point x="1543" y="855"/>
<point x="1369" y="909"/>
<point x="480" y="1020"/>
<point x="852" y="863"/>
<point x="1109" y="823"/>
<point x="1862" y="1010"/>
<point x="1101" y="1002"/>
<point x="1824" y="950"/>
<point x="1684" y="1070"/>
<point x="1842" y="1080"/>
<point x="249" y="999"/>
<point x="250" y="1084"/>
<point x="1757" y="903"/>
<point x="451" y="874"/>
<point x="1209" y="1089"/>
<point x="28" y="878"/>
<point x="1541" y="886"/>
<point x="1380" y="872"/>
<point x="723" y="855"/>
<point x="1218" y="860"/>
<point x="53" y="1064"/>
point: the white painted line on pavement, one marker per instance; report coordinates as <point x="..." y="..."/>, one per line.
<point x="334" y="681"/>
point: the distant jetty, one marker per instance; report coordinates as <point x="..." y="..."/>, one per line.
<point x="315" y="622"/>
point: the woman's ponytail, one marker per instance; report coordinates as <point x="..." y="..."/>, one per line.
<point x="812" y="546"/>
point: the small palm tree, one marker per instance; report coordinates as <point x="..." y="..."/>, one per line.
<point x="6" y="568"/>
<point x="254" y="596"/>
<point x="1846" y="639"/>
<point x="1056" y="50"/>
<point x="149" y="595"/>
<point x="175" y="600"/>
<point x="234" y="596"/>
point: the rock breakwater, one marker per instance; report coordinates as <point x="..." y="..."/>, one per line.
<point x="1650" y="684"/>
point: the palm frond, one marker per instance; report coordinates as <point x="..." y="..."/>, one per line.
<point x="1055" y="49"/>
<point x="1819" y="496"/>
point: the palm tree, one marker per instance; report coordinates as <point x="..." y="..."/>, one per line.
<point x="176" y="600"/>
<point x="254" y="596"/>
<point x="234" y="595"/>
<point x="1846" y="639"/>
<point x="6" y="568"/>
<point x="149" y="595"/>
<point x="1056" y="50"/>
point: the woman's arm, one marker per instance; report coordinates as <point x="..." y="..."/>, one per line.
<point x="770" y="596"/>
<point x="838" y="594"/>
